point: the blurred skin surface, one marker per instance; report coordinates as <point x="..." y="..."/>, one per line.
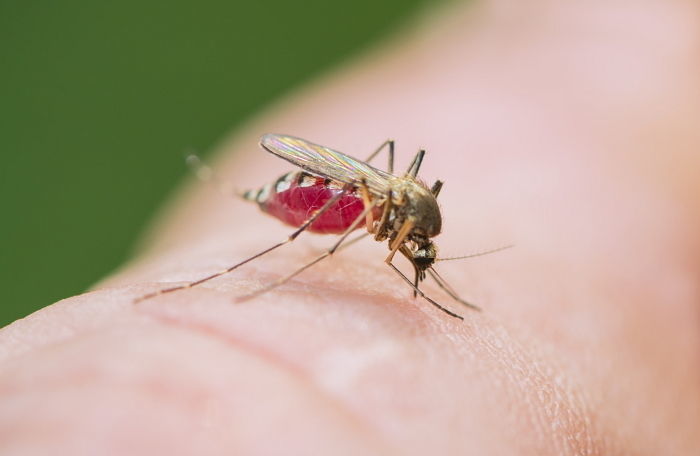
<point x="566" y="128"/>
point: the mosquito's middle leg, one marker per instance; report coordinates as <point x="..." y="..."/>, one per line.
<point x="325" y="254"/>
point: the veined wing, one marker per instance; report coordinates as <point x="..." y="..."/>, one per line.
<point x="327" y="162"/>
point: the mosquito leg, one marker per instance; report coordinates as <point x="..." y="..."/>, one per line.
<point x="417" y="274"/>
<point x="351" y="228"/>
<point x="367" y="200"/>
<point x="400" y="237"/>
<point x="390" y="143"/>
<point x="384" y="220"/>
<point x="441" y="281"/>
<point x="449" y="290"/>
<point x="289" y="239"/>
<point x="435" y="189"/>
<point x="416" y="280"/>
<point x="352" y="241"/>
<point x="415" y="164"/>
<point x="325" y="254"/>
<point x="422" y="295"/>
<point x="320" y="212"/>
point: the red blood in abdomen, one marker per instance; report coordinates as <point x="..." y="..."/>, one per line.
<point x="296" y="204"/>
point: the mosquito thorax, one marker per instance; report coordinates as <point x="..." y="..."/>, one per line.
<point x="415" y="202"/>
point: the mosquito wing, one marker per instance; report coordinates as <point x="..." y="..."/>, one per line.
<point x="327" y="162"/>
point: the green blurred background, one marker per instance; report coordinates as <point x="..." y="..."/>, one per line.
<point x="99" y="100"/>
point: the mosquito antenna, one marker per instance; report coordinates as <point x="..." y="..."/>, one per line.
<point x="485" y="252"/>
<point x="449" y="290"/>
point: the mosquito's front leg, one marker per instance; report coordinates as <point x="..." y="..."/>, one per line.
<point x="418" y="276"/>
<point x="449" y="290"/>
<point x="399" y="239"/>
<point x="420" y="292"/>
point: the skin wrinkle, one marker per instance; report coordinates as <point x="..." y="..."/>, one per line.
<point x="271" y="357"/>
<point x="268" y="353"/>
<point x="524" y="373"/>
<point x="186" y="397"/>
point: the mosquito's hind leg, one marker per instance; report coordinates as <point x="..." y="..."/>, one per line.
<point x="325" y="254"/>
<point x="289" y="239"/>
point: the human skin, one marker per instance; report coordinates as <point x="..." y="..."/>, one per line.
<point x="566" y="128"/>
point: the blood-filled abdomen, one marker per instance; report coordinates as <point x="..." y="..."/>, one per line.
<point x="296" y="196"/>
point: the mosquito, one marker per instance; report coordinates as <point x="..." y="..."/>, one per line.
<point x="333" y="193"/>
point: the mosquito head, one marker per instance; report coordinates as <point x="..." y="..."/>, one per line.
<point x="424" y="256"/>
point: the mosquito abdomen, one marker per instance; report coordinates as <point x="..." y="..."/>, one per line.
<point x="294" y="197"/>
